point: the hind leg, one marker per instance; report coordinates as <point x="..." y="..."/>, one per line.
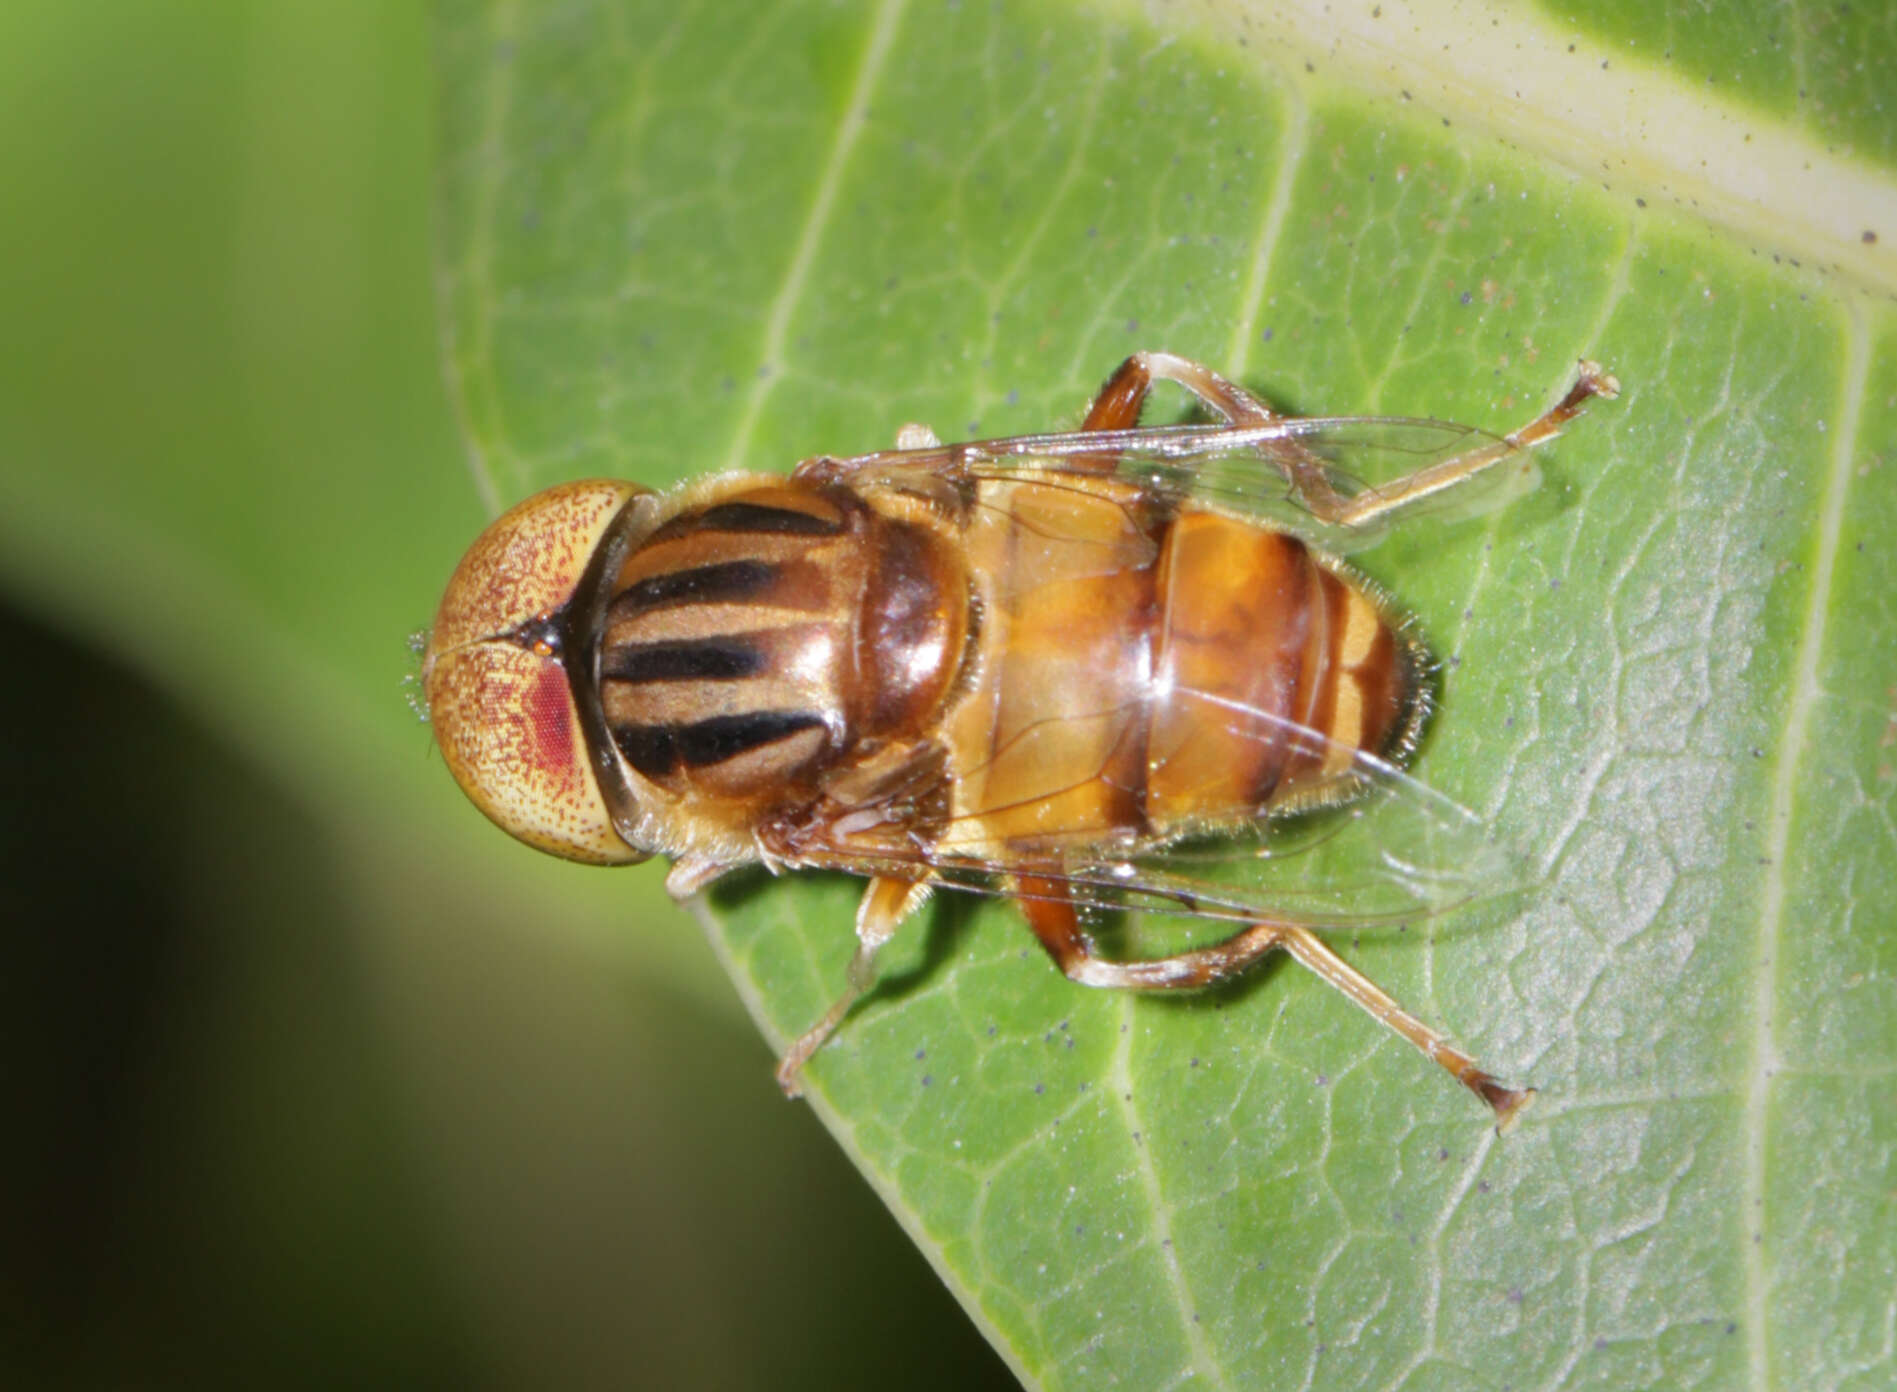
<point x="1050" y="913"/>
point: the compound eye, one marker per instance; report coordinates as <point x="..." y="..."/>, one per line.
<point x="498" y="689"/>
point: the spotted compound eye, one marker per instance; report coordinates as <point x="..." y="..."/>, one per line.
<point x="496" y="679"/>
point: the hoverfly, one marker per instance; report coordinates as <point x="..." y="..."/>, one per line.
<point x="1050" y="666"/>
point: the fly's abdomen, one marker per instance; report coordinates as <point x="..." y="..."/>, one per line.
<point x="1270" y="671"/>
<point x="1144" y="673"/>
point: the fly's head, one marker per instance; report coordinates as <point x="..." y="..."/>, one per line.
<point x="509" y="672"/>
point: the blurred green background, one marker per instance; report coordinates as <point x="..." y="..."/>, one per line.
<point x="305" y="1085"/>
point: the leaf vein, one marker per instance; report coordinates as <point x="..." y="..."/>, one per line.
<point x="1803" y="697"/>
<point x="1121" y="1084"/>
<point x="815" y="225"/>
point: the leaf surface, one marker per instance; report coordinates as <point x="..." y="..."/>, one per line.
<point x="675" y="242"/>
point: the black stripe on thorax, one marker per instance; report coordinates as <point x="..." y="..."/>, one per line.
<point x="657" y="750"/>
<point x="721" y="583"/>
<point x="725" y="657"/>
<point x="760" y="517"/>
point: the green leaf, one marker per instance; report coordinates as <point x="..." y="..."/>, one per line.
<point x="676" y="241"/>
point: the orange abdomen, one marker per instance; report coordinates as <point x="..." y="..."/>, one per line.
<point x="1144" y="673"/>
<point x="1260" y="645"/>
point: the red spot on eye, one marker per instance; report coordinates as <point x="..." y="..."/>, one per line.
<point x="553" y="727"/>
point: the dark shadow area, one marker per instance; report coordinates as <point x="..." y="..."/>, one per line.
<point x="192" y="1196"/>
<point x="214" y="1175"/>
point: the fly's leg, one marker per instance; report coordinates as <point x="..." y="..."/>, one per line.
<point x="1118" y="407"/>
<point x="885" y="904"/>
<point x="1121" y="400"/>
<point x="1375" y="503"/>
<point x="1050" y="913"/>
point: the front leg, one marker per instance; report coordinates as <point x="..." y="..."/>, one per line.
<point x="885" y="904"/>
<point x="691" y="873"/>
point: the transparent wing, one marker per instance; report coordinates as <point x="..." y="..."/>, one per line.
<point x="1381" y="848"/>
<point x="1395" y="852"/>
<point x="1249" y="471"/>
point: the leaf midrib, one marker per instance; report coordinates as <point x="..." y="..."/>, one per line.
<point x="1574" y="102"/>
